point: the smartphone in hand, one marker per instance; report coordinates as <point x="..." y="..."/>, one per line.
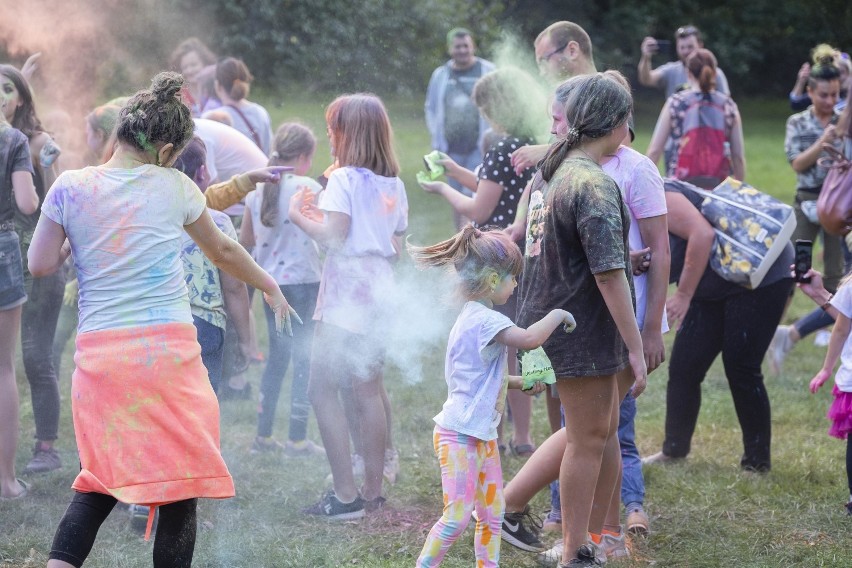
<point x="803" y="260"/>
<point x="664" y="45"/>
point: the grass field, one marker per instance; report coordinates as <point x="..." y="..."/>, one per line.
<point x="705" y="512"/>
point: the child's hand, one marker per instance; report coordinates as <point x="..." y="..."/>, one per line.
<point x="819" y="380"/>
<point x="269" y="174"/>
<point x="538" y="387"/>
<point x="303" y="204"/>
<point x="431" y="186"/>
<point x="449" y="164"/>
<point x="640" y="261"/>
<point x="569" y="324"/>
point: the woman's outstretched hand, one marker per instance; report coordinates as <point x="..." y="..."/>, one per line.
<point x="282" y="311"/>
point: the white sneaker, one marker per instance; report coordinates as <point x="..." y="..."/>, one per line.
<point x="391" y="469"/>
<point x="552" y="556"/>
<point x="822" y="337"/>
<point x="778" y="348"/>
<point x="357" y="469"/>
<point x="613" y="547"/>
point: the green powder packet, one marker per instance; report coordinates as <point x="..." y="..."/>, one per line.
<point x="434" y="170"/>
<point x="536" y="368"/>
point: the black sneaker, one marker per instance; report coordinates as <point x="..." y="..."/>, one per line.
<point x="332" y="508"/>
<point x="849" y="509"/>
<point x="522" y="530"/>
<point x="586" y="556"/>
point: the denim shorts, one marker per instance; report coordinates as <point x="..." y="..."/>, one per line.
<point x="12" y="292"/>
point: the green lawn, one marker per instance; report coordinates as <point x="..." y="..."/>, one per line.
<point x="705" y="512"/>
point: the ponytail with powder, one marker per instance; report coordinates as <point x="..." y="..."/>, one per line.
<point x="475" y="254"/>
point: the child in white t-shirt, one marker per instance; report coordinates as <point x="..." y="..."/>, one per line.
<point x="292" y="258"/>
<point x="360" y="219"/>
<point x="840" y="345"/>
<point x="465" y="435"/>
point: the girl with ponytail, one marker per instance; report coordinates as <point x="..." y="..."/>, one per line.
<point x="284" y="250"/>
<point x="232" y="87"/>
<point x="577" y="255"/>
<point x="465" y="435"/>
<point x="700" y="129"/>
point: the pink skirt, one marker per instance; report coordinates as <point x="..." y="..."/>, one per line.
<point x="840" y="414"/>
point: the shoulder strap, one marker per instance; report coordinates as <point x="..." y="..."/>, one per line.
<point x="254" y="133"/>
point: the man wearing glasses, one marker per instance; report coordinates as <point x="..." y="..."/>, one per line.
<point x="671" y="76"/>
<point x="453" y="120"/>
<point x="562" y="51"/>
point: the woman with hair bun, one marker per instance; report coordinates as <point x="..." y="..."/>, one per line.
<point x="139" y="373"/>
<point x="807" y="132"/>
<point x="700" y="129"/>
<point x="232" y="86"/>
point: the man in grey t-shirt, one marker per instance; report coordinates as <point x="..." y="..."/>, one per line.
<point x="671" y="76"/>
<point x="454" y="122"/>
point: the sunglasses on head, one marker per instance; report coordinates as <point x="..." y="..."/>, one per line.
<point x="686" y="31"/>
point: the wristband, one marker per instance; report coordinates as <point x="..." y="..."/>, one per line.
<point x="827" y="303"/>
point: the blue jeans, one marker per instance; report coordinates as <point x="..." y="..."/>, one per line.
<point x="212" y="341"/>
<point x="632" y="480"/>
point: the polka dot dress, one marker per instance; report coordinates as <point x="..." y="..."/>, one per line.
<point x="497" y="167"/>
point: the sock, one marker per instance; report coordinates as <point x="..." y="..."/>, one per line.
<point x="611" y="532"/>
<point x="596" y="538"/>
<point x="298" y="445"/>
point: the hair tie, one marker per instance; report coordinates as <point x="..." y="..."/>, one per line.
<point x="572" y="136"/>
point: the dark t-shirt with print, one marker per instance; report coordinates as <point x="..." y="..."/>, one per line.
<point x="461" y="117"/>
<point x="497" y="167"/>
<point x="577" y="227"/>
<point x="14" y="157"/>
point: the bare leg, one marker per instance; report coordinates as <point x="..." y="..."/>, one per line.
<point x="590" y="463"/>
<point x="10" y="323"/>
<point x="333" y="426"/>
<point x="373" y="424"/>
<point x="554" y="411"/>
<point x="613" y="515"/>
<point x="388" y="417"/>
<point x="521" y="406"/>
<point x="542" y="468"/>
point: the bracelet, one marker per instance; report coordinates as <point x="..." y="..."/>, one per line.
<point x="827" y="303"/>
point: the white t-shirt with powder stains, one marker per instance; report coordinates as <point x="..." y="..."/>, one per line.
<point x="476" y="373"/>
<point x="125" y="228"/>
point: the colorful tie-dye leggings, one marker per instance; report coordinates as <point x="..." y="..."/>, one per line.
<point x="470" y="477"/>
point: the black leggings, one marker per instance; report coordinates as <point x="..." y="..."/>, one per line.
<point x="849" y="464"/>
<point x="740" y="327"/>
<point x="174" y="542"/>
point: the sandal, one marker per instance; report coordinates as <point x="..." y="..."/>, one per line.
<point x="25" y="490"/>
<point x="522" y="450"/>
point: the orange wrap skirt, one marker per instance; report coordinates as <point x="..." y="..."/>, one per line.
<point x="146" y="417"/>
